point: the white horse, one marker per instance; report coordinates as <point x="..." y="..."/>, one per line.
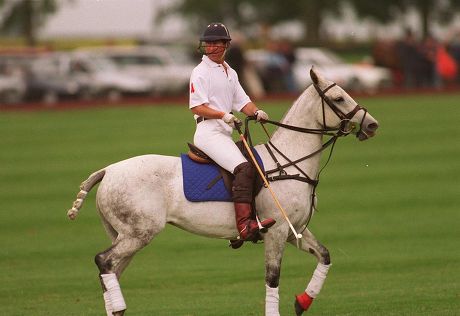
<point x="137" y="197"/>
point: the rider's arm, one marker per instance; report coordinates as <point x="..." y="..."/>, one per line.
<point x="249" y="109"/>
<point x="207" y="112"/>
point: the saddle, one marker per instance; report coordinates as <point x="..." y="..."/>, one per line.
<point x="199" y="156"/>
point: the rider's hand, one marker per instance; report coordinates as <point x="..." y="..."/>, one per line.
<point x="261" y="115"/>
<point x="230" y="119"/>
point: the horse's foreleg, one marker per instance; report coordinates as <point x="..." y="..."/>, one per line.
<point x="275" y="241"/>
<point x="311" y="245"/>
<point x="111" y="264"/>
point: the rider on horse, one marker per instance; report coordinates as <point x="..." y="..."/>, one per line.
<point x="214" y="93"/>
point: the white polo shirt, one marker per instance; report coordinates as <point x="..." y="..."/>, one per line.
<point x="209" y="83"/>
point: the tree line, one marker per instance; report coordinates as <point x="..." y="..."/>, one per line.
<point x="24" y="17"/>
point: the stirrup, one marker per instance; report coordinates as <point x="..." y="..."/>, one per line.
<point x="264" y="228"/>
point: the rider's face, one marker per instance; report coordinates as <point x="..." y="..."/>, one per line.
<point x="216" y="50"/>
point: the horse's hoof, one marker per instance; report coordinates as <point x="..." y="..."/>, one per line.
<point x="298" y="309"/>
<point x="119" y="313"/>
<point x="302" y="303"/>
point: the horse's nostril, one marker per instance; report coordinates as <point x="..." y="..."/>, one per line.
<point x="372" y="127"/>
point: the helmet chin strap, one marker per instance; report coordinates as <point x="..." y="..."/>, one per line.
<point x="218" y="49"/>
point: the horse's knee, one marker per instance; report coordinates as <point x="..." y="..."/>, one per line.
<point x="322" y="254"/>
<point x="103" y="263"/>
<point x="272" y="276"/>
<point x="325" y="256"/>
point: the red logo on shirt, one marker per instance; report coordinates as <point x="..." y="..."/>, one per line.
<point x="192" y="89"/>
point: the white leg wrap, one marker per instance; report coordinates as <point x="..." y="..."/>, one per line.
<point x="108" y="304"/>
<point x="114" y="292"/>
<point x="272" y="300"/>
<point x="317" y="280"/>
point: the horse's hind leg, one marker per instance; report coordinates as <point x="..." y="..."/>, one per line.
<point x="310" y="244"/>
<point x="111" y="264"/>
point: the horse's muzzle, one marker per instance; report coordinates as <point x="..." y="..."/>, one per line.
<point x="367" y="131"/>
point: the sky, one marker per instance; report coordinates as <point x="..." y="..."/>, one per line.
<point x="108" y="18"/>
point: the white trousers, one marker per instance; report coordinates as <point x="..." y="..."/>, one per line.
<point x="214" y="138"/>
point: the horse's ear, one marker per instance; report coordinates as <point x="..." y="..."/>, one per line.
<point x="314" y="76"/>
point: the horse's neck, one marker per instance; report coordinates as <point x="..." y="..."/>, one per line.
<point x="296" y="145"/>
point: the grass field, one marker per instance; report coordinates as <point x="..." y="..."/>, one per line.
<point x="389" y="215"/>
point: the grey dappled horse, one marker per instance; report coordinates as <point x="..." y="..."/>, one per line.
<point x="137" y="197"/>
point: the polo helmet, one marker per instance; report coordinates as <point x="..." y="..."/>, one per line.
<point x="215" y="32"/>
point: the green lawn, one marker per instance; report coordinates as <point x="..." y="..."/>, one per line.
<point x="388" y="214"/>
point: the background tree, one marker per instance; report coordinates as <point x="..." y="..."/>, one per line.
<point x="261" y="12"/>
<point x="386" y="11"/>
<point x="441" y="11"/>
<point x="24" y="17"/>
<point x="312" y="12"/>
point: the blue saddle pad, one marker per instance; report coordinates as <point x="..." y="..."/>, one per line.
<point x="197" y="177"/>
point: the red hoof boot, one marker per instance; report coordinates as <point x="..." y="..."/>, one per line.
<point x="302" y="303"/>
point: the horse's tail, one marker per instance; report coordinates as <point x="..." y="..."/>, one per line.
<point x="85" y="187"/>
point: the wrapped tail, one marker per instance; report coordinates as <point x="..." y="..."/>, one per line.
<point x="85" y="187"/>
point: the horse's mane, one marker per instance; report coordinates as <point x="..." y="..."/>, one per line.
<point x="306" y="95"/>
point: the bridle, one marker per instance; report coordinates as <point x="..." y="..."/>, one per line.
<point x="345" y="128"/>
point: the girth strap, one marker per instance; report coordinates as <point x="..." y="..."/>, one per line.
<point x="293" y="177"/>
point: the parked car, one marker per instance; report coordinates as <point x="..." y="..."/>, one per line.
<point x="357" y="77"/>
<point x="49" y="81"/>
<point x="167" y="71"/>
<point x="12" y="84"/>
<point x="273" y="69"/>
<point x="12" y="89"/>
<point x="85" y="76"/>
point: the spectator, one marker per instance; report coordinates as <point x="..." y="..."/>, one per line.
<point x="276" y="67"/>
<point x="286" y="49"/>
<point x="235" y="58"/>
<point x="410" y="60"/>
<point x="453" y="47"/>
<point x="246" y="73"/>
<point x="430" y="74"/>
<point x="385" y="54"/>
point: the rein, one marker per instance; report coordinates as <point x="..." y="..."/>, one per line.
<point x="345" y="128"/>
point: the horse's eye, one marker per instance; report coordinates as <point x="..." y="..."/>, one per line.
<point x="339" y="99"/>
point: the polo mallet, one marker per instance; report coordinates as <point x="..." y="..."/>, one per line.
<point x="283" y="212"/>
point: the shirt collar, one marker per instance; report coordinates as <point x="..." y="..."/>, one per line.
<point x="210" y="63"/>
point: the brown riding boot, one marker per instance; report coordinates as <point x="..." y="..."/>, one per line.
<point x="242" y="197"/>
<point x="246" y="226"/>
